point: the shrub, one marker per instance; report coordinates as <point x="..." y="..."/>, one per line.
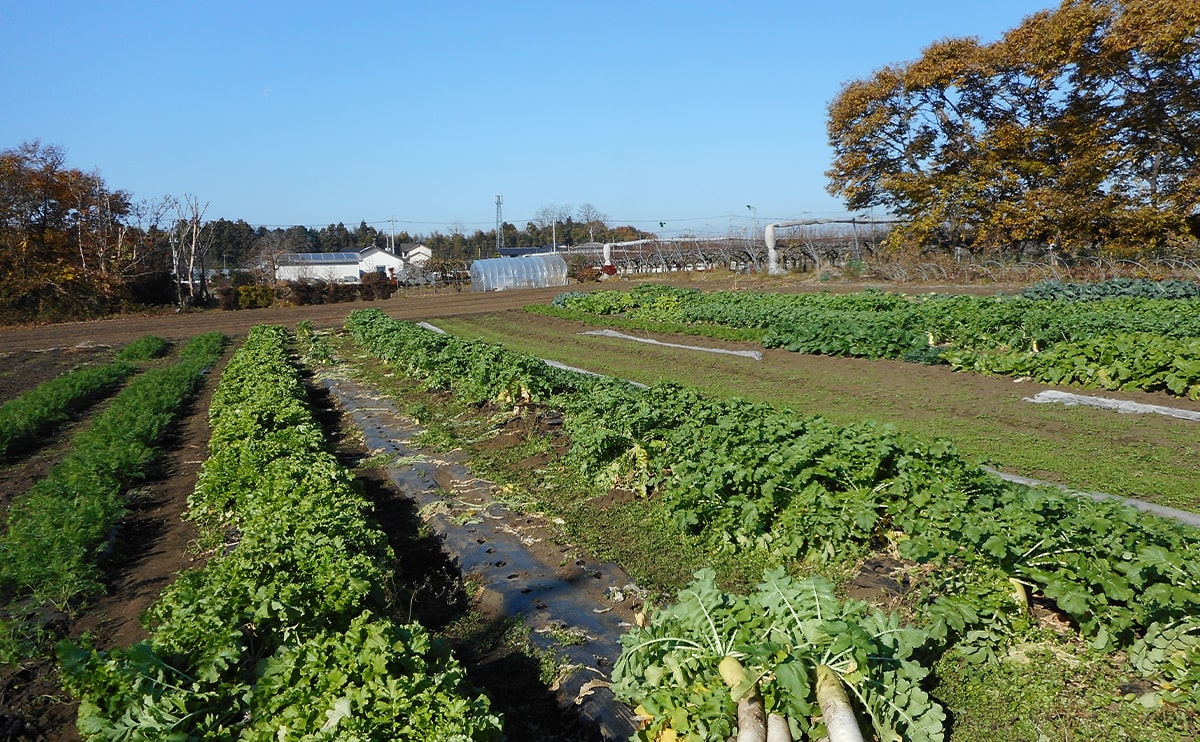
<point x="376" y="286"/>
<point x="255" y="297"/>
<point x="587" y="275"/>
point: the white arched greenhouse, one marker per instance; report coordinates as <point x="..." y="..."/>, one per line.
<point x="527" y="272"/>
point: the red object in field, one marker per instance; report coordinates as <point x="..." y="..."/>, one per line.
<point x="608" y="269"/>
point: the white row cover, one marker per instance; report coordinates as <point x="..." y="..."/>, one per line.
<point x="527" y="272"/>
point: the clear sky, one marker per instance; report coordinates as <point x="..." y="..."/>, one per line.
<point x="314" y="113"/>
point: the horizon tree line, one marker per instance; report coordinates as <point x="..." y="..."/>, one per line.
<point x="1078" y="132"/>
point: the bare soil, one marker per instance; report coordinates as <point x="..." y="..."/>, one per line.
<point x="21" y="370"/>
<point x="172" y="326"/>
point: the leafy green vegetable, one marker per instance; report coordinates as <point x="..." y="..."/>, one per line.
<point x="776" y="487"/>
<point x="284" y="633"/>
<point x="780" y="634"/>
<point x="1123" y="336"/>
<point x="51" y="404"/>
<point x="57" y="529"/>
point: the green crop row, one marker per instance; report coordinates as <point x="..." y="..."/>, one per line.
<point x="1057" y="290"/>
<point x="783" y="488"/>
<point x="753" y="478"/>
<point x="986" y="334"/>
<point x="57" y="530"/>
<point x="696" y="661"/>
<point x="145" y="348"/>
<point x="284" y="634"/>
<point x="51" y="404"/>
<point x="48" y="406"/>
<point x="476" y="370"/>
<point x="1124" y="361"/>
<point x="963" y="321"/>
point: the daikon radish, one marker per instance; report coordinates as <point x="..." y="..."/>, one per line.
<point x="752" y="721"/>
<point x="836" y="708"/>
<point x="778" y="729"/>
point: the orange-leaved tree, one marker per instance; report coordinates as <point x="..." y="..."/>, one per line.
<point x="1079" y="128"/>
<point x="69" y="246"/>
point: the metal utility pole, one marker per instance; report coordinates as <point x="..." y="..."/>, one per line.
<point x="754" y="231"/>
<point x="392" y="239"/>
<point x="499" y="224"/>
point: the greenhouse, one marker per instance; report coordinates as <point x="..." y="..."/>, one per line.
<point x="528" y="272"/>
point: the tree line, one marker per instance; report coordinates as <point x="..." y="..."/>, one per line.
<point x="562" y="226"/>
<point x="1078" y="130"/>
<point x="71" y="246"/>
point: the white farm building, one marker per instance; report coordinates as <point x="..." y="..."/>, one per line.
<point x="349" y="267"/>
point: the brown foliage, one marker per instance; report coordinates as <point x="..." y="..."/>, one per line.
<point x="1077" y="129"/>
<point x="587" y="274"/>
<point x="67" y="249"/>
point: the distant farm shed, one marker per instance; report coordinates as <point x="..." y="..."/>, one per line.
<point x="348" y="267"/>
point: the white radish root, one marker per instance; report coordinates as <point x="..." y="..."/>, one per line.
<point x="752" y="720"/>
<point x="778" y="729"/>
<point x="836" y="708"/>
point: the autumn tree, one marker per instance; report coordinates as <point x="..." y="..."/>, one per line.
<point x="1078" y="128"/>
<point x="69" y="245"/>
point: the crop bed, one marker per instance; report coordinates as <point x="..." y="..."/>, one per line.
<point x="636" y="455"/>
<point x="749" y="479"/>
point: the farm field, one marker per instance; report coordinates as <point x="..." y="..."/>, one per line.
<point x="712" y="466"/>
<point x="1137" y="456"/>
<point x="1148" y="457"/>
<point x="407" y="304"/>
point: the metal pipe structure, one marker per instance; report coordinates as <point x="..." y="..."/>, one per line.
<point x="608" y="246"/>
<point x="773" y="268"/>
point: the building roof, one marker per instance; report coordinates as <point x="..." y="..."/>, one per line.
<point x="318" y="258"/>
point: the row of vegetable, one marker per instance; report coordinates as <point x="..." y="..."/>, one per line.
<point x="58" y="530"/>
<point x="286" y="632"/>
<point x="785" y="489"/>
<point x="1138" y="287"/>
<point x="47" y="407"/>
<point x="1118" y="342"/>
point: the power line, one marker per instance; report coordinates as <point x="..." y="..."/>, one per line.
<point x="618" y="221"/>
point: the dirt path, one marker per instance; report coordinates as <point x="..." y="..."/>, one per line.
<point x="236" y="323"/>
<point x="409" y="304"/>
<point x="574" y="607"/>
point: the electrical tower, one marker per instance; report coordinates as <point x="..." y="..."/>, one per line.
<point x="499" y="224"/>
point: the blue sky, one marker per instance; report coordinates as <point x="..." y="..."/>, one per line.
<point x="316" y="113"/>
